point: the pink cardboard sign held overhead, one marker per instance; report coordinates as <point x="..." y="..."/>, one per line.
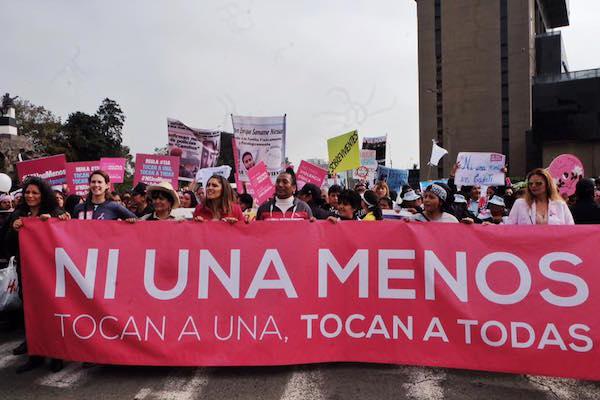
<point x="566" y="170"/>
<point x="310" y="173"/>
<point x="114" y="167"/>
<point x="153" y="169"/>
<point x="260" y="181"/>
<point x="52" y="169"/>
<point x="78" y="174"/>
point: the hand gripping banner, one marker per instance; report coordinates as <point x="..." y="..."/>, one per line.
<point x="503" y="298"/>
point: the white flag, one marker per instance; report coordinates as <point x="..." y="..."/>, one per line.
<point x="437" y="153"/>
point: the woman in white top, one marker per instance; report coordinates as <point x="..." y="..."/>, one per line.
<point x="435" y="200"/>
<point x="542" y="204"/>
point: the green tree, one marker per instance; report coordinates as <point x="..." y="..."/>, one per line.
<point x="40" y="124"/>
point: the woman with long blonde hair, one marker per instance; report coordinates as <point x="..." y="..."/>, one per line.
<point x="542" y="204"/>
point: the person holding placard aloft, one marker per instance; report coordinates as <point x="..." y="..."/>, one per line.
<point x="542" y="204"/>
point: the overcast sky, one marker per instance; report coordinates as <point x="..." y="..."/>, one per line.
<point x="331" y="65"/>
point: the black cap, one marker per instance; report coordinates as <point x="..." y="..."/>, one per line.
<point x="311" y="189"/>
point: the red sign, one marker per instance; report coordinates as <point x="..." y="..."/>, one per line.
<point x="52" y="169"/>
<point x="508" y="298"/>
<point x="310" y="173"/>
<point x="78" y="174"/>
<point x="260" y="181"/>
<point x="114" y="167"/>
<point x="153" y="169"/>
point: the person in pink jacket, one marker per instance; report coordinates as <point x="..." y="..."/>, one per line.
<point x="542" y="204"/>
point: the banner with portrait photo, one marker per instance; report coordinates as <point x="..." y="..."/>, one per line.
<point x="259" y="139"/>
<point x="196" y="148"/>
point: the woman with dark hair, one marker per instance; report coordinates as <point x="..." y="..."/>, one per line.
<point x="542" y="204"/>
<point x="371" y="206"/>
<point x="436" y="205"/>
<point x="585" y="210"/>
<point x="98" y="205"/>
<point x="311" y="195"/>
<point x="385" y="203"/>
<point x="60" y="199"/>
<point x="39" y="201"/>
<point x="219" y="204"/>
<point x="164" y="200"/>
<point x="71" y="201"/>
<point x="348" y="206"/>
<point x="188" y="199"/>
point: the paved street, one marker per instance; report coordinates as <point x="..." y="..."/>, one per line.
<point x="321" y="381"/>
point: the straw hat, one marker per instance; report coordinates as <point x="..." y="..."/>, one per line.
<point x="166" y="188"/>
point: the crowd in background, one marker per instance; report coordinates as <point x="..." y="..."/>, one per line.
<point x="534" y="202"/>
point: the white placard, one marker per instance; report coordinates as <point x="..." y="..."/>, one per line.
<point x="483" y="169"/>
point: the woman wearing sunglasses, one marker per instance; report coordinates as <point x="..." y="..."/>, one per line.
<point x="542" y="204"/>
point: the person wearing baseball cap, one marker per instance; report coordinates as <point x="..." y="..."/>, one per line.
<point x="311" y="195"/>
<point x="164" y="200"/>
<point x="412" y="202"/>
<point x="497" y="211"/>
<point x="140" y="199"/>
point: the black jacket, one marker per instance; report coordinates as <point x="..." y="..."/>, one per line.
<point x="586" y="212"/>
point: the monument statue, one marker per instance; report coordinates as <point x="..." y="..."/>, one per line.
<point x="7" y="102"/>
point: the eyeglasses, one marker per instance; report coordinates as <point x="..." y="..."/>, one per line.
<point x="536" y="183"/>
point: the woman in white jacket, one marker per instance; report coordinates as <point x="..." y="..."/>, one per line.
<point x="542" y="204"/>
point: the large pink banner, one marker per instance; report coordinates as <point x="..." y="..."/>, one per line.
<point x="506" y="298"/>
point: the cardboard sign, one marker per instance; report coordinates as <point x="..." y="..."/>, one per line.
<point x="481" y="169"/>
<point x="566" y="170"/>
<point x="78" y="174"/>
<point x="153" y="169"/>
<point x="260" y="181"/>
<point x="310" y="173"/>
<point x="344" y="152"/>
<point x="114" y="167"/>
<point x="53" y="169"/>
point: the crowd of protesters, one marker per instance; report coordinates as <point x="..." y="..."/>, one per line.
<point x="535" y="202"/>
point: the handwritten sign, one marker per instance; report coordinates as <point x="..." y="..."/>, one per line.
<point x="483" y="169"/>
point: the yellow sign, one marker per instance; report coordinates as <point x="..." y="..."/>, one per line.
<point x="344" y="153"/>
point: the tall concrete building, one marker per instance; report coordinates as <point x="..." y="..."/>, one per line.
<point x="477" y="67"/>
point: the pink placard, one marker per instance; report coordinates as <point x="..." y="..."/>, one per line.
<point x="261" y="183"/>
<point x="114" y="167"/>
<point x="52" y="169"/>
<point x="78" y="174"/>
<point x="310" y="173"/>
<point x="153" y="169"/>
<point x="566" y="170"/>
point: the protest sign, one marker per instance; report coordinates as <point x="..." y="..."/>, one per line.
<point x="378" y="144"/>
<point x="114" y="167"/>
<point x="566" y="170"/>
<point x="482" y="169"/>
<point x="197" y="148"/>
<point x="259" y="139"/>
<point x="343" y="151"/>
<point x="53" y="169"/>
<point x="204" y="174"/>
<point x="395" y="178"/>
<point x="298" y="292"/>
<point x="367" y="172"/>
<point x="78" y="174"/>
<point x="260" y="182"/>
<point x="153" y="169"/>
<point x="424" y="184"/>
<point x="310" y="173"/>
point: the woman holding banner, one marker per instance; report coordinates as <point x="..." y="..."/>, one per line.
<point x="39" y="201"/>
<point x="542" y="204"/>
<point x="220" y="204"/>
<point x="436" y="205"/>
<point x="164" y="200"/>
<point x="371" y="206"/>
<point x="97" y="205"/>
